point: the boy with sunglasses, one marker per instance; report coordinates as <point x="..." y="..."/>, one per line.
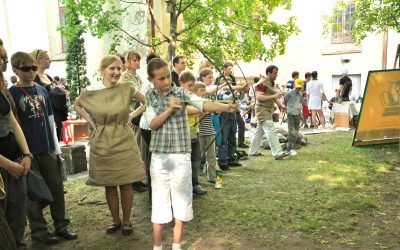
<point x="36" y="117"/>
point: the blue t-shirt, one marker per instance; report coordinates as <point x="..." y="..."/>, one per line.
<point x="36" y="127"/>
<point x="289" y="85"/>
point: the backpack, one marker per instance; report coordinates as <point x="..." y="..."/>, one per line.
<point x="58" y="100"/>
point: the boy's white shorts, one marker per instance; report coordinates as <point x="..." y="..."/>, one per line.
<point x="171" y="183"/>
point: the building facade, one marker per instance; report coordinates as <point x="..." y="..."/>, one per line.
<point x="308" y="51"/>
<point x="328" y="54"/>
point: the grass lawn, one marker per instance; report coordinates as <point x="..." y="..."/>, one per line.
<point x="330" y="196"/>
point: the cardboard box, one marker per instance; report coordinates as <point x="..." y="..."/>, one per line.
<point x="341" y="120"/>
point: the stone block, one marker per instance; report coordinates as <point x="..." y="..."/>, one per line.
<point x="75" y="158"/>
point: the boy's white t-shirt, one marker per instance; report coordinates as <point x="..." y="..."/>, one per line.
<point x="144" y="124"/>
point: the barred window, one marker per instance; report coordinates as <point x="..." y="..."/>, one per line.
<point x="342" y="31"/>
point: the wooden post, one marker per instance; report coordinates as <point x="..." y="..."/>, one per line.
<point x="385" y="48"/>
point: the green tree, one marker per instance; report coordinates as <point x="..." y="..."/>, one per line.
<point x="75" y="54"/>
<point x="220" y="29"/>
<point x="371" y="16"/>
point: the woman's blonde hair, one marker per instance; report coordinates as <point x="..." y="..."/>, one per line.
<point x="206" y="64"/>
<point x="2" y="55"/>
<point x="133" y="54"/>
<point x="2" y="52"/>
<point x="38" y="54"/>
<point x="108" y="60"/>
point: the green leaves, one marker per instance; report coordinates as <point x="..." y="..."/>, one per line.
<point x="76" y="55"/>
<point x="371" y="16"/>
<point x="234" y="30"/>
<point x="220" y="29"/>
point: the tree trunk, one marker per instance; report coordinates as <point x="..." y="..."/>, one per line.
<point x="172" y="31"/>
<point x="7" y="240"/>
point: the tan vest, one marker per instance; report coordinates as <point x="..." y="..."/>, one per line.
<point x="265" y="109"/>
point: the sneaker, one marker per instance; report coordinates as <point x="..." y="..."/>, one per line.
<point x="137" y="187"/>
<point x="292" y="152"/>
<point x="224" y="167"/>
<point x="242" y="145"/>
<point x="199" y="190"/>
<point x="281" y="156"/>
<point x="256" y="154"/>
<point x="305" y="126"/>
<point x="234" y="164"/>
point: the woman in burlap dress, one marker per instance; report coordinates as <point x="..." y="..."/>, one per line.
<point x="114" y="155"/>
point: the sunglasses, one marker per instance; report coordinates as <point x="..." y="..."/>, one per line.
<point x="33" y="68"/>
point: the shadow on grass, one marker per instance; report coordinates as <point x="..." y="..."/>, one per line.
<point x="331" y="195"/>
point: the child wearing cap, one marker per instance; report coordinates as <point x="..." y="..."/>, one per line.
<point x="293" y="100"/>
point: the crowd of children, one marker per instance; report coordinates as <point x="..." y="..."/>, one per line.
<point x="181" y="127"/>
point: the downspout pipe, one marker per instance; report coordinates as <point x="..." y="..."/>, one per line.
<point x="385" y="49"/>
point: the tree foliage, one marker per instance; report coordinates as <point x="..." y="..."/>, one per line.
<point x="220" y="29"/>
<point x="371" y="16"/>
<point x="75" y="56"/>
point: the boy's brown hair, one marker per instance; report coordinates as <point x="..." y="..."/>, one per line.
<point x="186" y="76"/>
<point x="198" y="85"/>
<point x="205" y="72"/>
<point x="20" y="58"/>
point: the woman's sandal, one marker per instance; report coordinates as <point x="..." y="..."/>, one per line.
<point x="127" y="229"/>
<point x="113" y="228"/>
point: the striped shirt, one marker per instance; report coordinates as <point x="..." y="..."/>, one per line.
<point x="206" y="126"/>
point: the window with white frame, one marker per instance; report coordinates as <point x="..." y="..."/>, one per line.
<point x="61" y="12"/>
<point x="342" y="31"/>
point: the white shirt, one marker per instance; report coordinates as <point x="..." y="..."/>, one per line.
<point x="315" y="88"/>
<point x="252" y="91"/>
<point x="144" y="124"/>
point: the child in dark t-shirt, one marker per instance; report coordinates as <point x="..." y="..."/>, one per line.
<point x="36" y="117"/>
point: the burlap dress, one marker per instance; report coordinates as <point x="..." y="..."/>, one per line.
<point x="114" y="155"/>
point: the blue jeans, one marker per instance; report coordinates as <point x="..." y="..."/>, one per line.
<point x="227" y="148"/>
<point x="195" y="159"/>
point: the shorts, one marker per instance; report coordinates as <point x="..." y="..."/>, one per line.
<point x="314" y="103"/>
<point x="172" y="191"/>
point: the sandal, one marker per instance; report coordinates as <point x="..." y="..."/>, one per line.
<point x="127" y="229"/>
<point x="113" y="228"/>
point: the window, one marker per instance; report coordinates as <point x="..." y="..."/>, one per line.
<point x="61" y="12"/>
<point x="356" y="90"/>
<point x="342" y="31"/>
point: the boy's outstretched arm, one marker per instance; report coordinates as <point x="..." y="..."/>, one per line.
<point x="220" y="107"/>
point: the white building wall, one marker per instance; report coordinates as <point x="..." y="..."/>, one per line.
<point x="34" y="26"/>
<point x="29" y="25"/>
<point x="306" y="51"/>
